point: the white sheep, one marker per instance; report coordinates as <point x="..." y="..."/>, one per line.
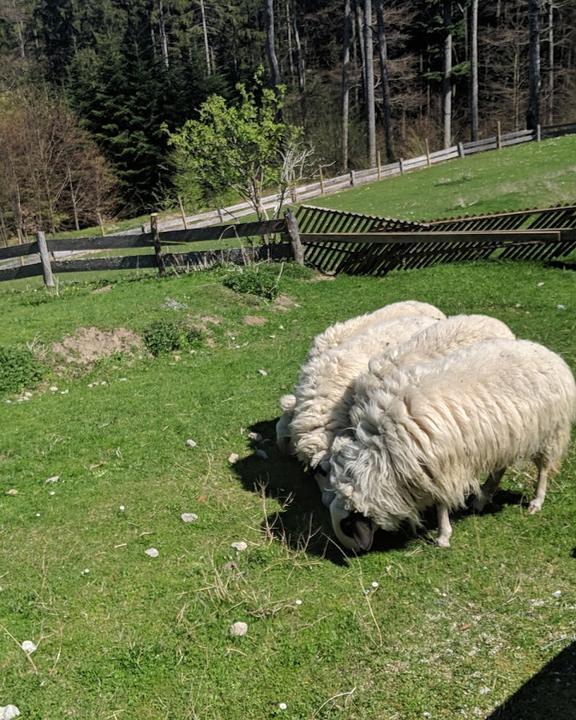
<point x="325" y="389"/>
<point x="338" y="333"/>
<point x="430" y="430"/>
<point x="438" y="340"/>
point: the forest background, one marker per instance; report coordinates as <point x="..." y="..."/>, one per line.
<point x="92" y="90"/>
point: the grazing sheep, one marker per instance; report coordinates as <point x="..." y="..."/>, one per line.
<point x="430" y="430"/>
<point x="438" y="340"/>
<point x="325" y="389"/>
<point x="337" y="334"/>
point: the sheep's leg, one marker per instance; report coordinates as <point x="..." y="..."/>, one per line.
<point x="541" y="485"/>
<point x="444" y="527"/>
<point x="488" y="489"/>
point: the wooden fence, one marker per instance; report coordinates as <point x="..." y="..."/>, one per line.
<point x="42" y="252"/>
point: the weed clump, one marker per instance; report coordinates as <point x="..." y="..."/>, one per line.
<point x="165" y="336"/>
<point x="19" y="369"/>
<point x="261" y="280"/>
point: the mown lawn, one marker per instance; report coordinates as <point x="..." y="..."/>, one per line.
<point x="446" y="634"/>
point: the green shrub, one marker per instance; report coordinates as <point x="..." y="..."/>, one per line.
<point x="254" y="280"/>
<point x="19" y="369"/>
<point x="164" y="336"/>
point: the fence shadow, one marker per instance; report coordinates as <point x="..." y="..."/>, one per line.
<point x="303" y="522"/>
<point x="548" y="695"/>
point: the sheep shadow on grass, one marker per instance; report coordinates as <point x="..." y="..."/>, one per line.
<point x="548" y="695"/>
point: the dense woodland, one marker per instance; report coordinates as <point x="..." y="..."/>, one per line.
<point x="91" y="89"/>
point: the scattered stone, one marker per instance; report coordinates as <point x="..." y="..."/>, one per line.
<point x="64" y="392"/>
<point x="189" y="517"/>
<point x="152" y="552"/>
<point x="262" y="372"/>
<point x="375" y="584"/>
<point x="53" y="388"/>
<point x="561" y="307"/>
<point x="255" y="436"/>
<point x="233" y="458"/>
<point x="191" y="443"/>
<point x="37" y="514"/>
<point x="240" y="546"/>
<point x="29" y="647"/>
<point x="282" y="706"/>
<point x="103" y="382"/>
<point x="12" y="492"/>
<point x="484" y="690"/>
<point x="557" y="593"/>
<point x="52" y="480"/>
<point x="52" y="492"/>
<point x="9" y="712"/>
<point x="86" y="571"/>
<point x="172" y="304"/>
<point x="121" y="508"/>
<point x="261" y="454"/>
<point x="238" y="629"/>
<point x="8" y="402"/>
<point x="298" y="601"/>
<point x="122" y="379"/>
<point x="540" y="284"/>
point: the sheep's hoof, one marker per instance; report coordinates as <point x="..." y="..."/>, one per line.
<point x="443" y="542"/>
<point x="534" y="507"/>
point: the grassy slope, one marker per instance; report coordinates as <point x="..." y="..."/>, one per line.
<point x="525" y="176"/>
<point x="138" y="638"/>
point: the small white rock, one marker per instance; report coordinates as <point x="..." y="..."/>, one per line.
<point x="53" y="388"/>
<point x="282" y="706"/>
<point x="52" y="480"/>
<point x="191" y="443"/>
<point x="12" y="492"/>
<point x="121" y="508"/>
<point x="484" y="690"/>
<point x="152" y="552"/>
<point x="37" y="514"/>
<point x="29" y="647"/>
<point x="255" y="436"/>
<point x="262" y="372"/>
<point x="375" y="584"/>
<point x="86" y="571"/>
<point x="9" y="712"/>
<point x="240" y="546"/>
<point x="122" y="379"/>
<point x="233" y="458"/>
<point x="557" y="593"/>
<point x="103" y="382"/>
<point x="540" y="284"/>
<point x="298" y="601"/>
<point x="52" y="492"/>
<point x="188" y="517"/>
<point x="238" y="629"/>
<point x="64" y="392"/>
<point x="561" y="307"/>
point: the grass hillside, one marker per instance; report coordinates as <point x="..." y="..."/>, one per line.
<point x="524" y="176"/>
<point x="444" y="634"/>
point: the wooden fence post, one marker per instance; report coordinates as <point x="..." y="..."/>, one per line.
<point x="379" y="164"/>
<point x="499" y="135"/>
<point x="294" y="235"/>
<point x="182" y="212"/>
<point x="293" y="195"/>
<point x="45" y="258"/>
<point x="428" y="160"/>
<point x="401" y="165"/>
<point x="157" y="244"/>
<point x="352" y="181"/>
<point x="460" y="150"/>
<point x="321" y="180"/>
<point x="220" y="215"/>
<point x="100" y="223"/>
<point x="538" y="132"/>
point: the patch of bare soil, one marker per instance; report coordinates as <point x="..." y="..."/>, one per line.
<point x="320" y="277"/>
<point x="101" y="290"/>
<point x="206" y="320"/>
<point x="285" y="302"/>
<point x="87" y="345"/>
<point x="254" y="320"/>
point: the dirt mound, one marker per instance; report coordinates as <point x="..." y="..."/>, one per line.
<point x="87" y="345"/>
<point x="255" y="320"/>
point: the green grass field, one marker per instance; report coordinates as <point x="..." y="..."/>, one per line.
<point x="446" y="634"/>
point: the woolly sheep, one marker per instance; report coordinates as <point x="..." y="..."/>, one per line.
<point x="438" y="340"/>
<point x="325" y="389"/>
<point x="432" y="429"/>
<point x="338" y="333"/>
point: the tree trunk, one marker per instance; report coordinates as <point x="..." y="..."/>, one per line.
<point x="447" y="80"/>
<point x="345" y="88"/>
<point x="289" y="38"/>
<point x="205" y="34"/>
<point x="474" y="71"/>
<point x="360" y="39"/>
<point x="550" y="62"/>
<point x="370" y="110"/>
<point x="271" y="46"/>
<point x="533" y="113"/>
<point x="386" y="107"/>
<point x="73" y="198"/>
<point x="163" y="37"/>
<point x="299" y="65"/>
